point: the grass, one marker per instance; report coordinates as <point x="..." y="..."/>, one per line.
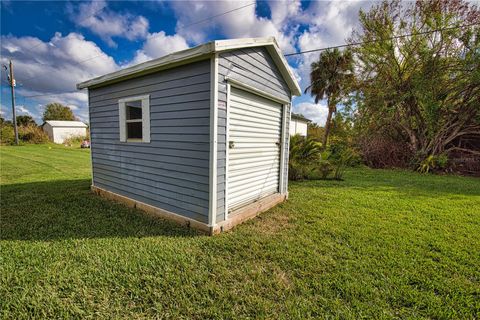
<point x="381" y="244"/>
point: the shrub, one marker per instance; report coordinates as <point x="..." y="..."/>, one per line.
<point x="432" y="163"/>
<point x="32" y="134"/>
<point x="77" y="139"/>
<point x="382" y="151"/>
<point x="7" y="135"/>
<point x="304" y="154"/>
<point x="325" y="168"/>
<point x="341" y="161"/>
<point x="26" y="134"/>
<point x="339" y="149"/>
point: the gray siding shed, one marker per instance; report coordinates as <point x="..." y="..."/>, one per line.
<point x="170" y="174"/>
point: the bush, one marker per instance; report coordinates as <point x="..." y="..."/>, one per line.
<point x="381" y="151"/>
<point x="304" y="154"/>
<point x="32" y="134"/>
<point x="308" y="161"/>
<point x="432" y="163"/>
<point x="343" y="159"/>
<point x="7" y="135"/>
<point x="26" y="134"/>
<point x="338" y="150"/>
<point x="325" y="168"/>
<point x="77" y="139"/>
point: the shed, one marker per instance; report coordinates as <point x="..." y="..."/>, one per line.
<point x="298" y="125"/>
<point x="199" y="136"/>
<point x="58" y="131"/>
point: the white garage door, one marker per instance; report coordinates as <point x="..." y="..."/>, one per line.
<point x="254" y="142"/>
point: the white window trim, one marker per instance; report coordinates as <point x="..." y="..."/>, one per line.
<point x="145" y="118"/>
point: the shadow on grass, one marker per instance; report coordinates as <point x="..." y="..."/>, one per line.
<point x="67" y="209"/>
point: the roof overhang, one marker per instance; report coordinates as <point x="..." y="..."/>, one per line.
<point x="198" y="53"/>
<point x="299" y="117"/>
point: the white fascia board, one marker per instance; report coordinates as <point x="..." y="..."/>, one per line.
<point x="198" y="53"/>
<point x="170" y="60"/>
<point x="231" y="44"/>
<point x="272" y="46"/>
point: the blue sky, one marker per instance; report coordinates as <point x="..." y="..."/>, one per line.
<point x="55" y="45"/>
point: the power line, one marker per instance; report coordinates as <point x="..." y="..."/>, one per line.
<point x="77" y="63"/>
<point x="50" y="94"/>
<point x="379" y="40"/>
<point x="180" y="28"/>
<point x="217" y="15"/>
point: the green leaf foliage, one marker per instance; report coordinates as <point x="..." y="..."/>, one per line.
<point x="424" y="88"/>
<point x="57" y="111"/>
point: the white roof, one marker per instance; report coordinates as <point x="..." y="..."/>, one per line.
<point x="198" y="53"/>
<point x="66" y="124"/>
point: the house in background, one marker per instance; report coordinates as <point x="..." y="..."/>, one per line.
<point x="298" y="125"/>
<point x="199" y="136"/>
<point x="58" y="131"/>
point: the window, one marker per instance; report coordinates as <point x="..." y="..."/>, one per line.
<point x="134" y="117"/>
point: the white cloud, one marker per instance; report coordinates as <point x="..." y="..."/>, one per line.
<point x="329" y="24"/>
<point x="51" y="70"/>
<point x="57" y="65"/>
<point x="107" y="24"/>
<point x="315" y="112"/>
<point x="21" y="110"/>
<point x="242" y="23"/>
<point x="282" y="11"/>
<point x="159" y="44"/>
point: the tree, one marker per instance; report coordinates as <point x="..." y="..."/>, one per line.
<point x="57" y="111"/>
<point x="331" y="77"/>
<point x="423" y="88"/>
<point x="25" y="120"/>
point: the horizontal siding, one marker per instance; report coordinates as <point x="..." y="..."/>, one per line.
<point x="255" y="67"/>
<point x="170" y="172"/>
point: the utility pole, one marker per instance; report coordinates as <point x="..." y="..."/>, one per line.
<point x="12" y="87"/>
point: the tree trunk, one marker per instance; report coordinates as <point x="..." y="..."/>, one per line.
<point x="331" y="110"/>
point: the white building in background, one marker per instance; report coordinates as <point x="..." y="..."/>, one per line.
<point x="58" y="131"/>
<point x="298" y="125"/>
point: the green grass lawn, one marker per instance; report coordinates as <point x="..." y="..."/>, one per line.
<point x="381" y="244"/>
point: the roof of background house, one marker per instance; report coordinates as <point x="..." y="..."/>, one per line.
<point x="199" y="53"/>
<point x="65" y="124"/>
<point x="300" y="117"/>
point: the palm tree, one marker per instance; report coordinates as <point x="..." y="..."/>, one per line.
<point x="330" y="78"/>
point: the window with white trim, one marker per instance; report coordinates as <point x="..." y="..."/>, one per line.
<point x="134" y="118"/>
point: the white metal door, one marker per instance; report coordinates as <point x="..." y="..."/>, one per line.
<point x="254" y="145"/>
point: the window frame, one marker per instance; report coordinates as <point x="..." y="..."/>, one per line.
<point x="122" y="111"/>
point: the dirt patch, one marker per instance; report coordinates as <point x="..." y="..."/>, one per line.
<point x="272" y="223"/>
